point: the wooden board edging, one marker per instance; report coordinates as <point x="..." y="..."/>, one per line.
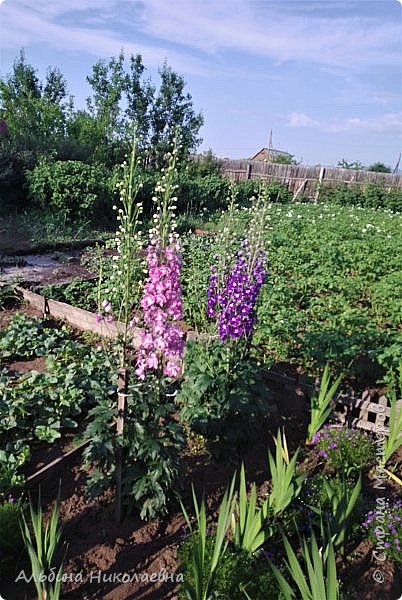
<point x="76" y="317"/>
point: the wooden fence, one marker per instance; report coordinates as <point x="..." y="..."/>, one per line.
<point x="305" y="180"/>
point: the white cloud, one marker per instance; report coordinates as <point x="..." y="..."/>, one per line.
<point x="267" y="29"/>
<point x="390" y="122"/>
<point x="264" y="29"/>
<point x="301" y="120"/>
<point x="22" y="25"/>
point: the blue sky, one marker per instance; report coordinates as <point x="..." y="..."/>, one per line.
<point x="324" y="76"/>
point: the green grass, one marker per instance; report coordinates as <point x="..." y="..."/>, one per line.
<point x="34" y="230"/>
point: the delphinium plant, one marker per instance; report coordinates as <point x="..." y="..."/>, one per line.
<point x="236" y="280"/>
<point x="162" y="344"/>
<point x="148" y="445"/>
<point x="223" y="396"/>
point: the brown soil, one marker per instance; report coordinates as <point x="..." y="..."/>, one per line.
<point x="24" y="366"/>
<point x="7" y="315"/>
<point x="98" y="546"/>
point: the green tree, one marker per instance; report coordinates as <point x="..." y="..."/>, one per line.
<point x="379" y="167"/>
<point x="284" y="159"/>
<point x="356" y="165"/>
<point x="41" y="117"/>
<point x="173" y="109"/>
<point x="106" y="126"/>
<point x="139" y="97"/>
<point x="122" y="96"/>
<point x="35" y="113"/>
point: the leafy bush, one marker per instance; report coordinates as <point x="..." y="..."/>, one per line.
<point x="205" y="164"/>
<point x="150" y="447"/>
<point x="226" y="403"/>
<point x="73" y="188"/>
<point x="370" y="195"/>
<point x="276" y="192"/>
<point x="13" y="165"/>
<point x="198" y="194"/>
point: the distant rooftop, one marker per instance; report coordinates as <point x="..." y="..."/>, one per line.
<point x="269" y="153"/>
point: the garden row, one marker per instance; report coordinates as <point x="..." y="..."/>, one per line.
<point x="332" y="292"/>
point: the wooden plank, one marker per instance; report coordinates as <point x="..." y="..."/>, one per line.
<point x="319" y="183"/>
<point x="77" y="317"/>
<point x="56" y="465"/>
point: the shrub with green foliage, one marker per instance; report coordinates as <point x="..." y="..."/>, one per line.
<point x="204" y="164"/>
<point x="195" y="194"/>
<point x="344" y="449"/>
<point x="224" y="401"/>
<point x="276" y="192"/>
<point x="371" y="195"/>
<point x="73" y="188"/>
<point x="13" y="165"/>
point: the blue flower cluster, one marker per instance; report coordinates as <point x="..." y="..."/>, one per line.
<point x="233" y="302"/>
<point x="386" y="524"/>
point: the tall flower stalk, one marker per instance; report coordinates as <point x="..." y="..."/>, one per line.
<point x="124" y="280"/>
<point x="162" y="341"/>
<point x="143" y="457"/>
<point x="235" y="282"/>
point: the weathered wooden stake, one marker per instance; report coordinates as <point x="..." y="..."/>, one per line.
<point x="122" y="387"/>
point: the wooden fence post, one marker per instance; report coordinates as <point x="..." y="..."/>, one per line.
<point x="319" y="184"/>
<point x="122" y="387"/>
